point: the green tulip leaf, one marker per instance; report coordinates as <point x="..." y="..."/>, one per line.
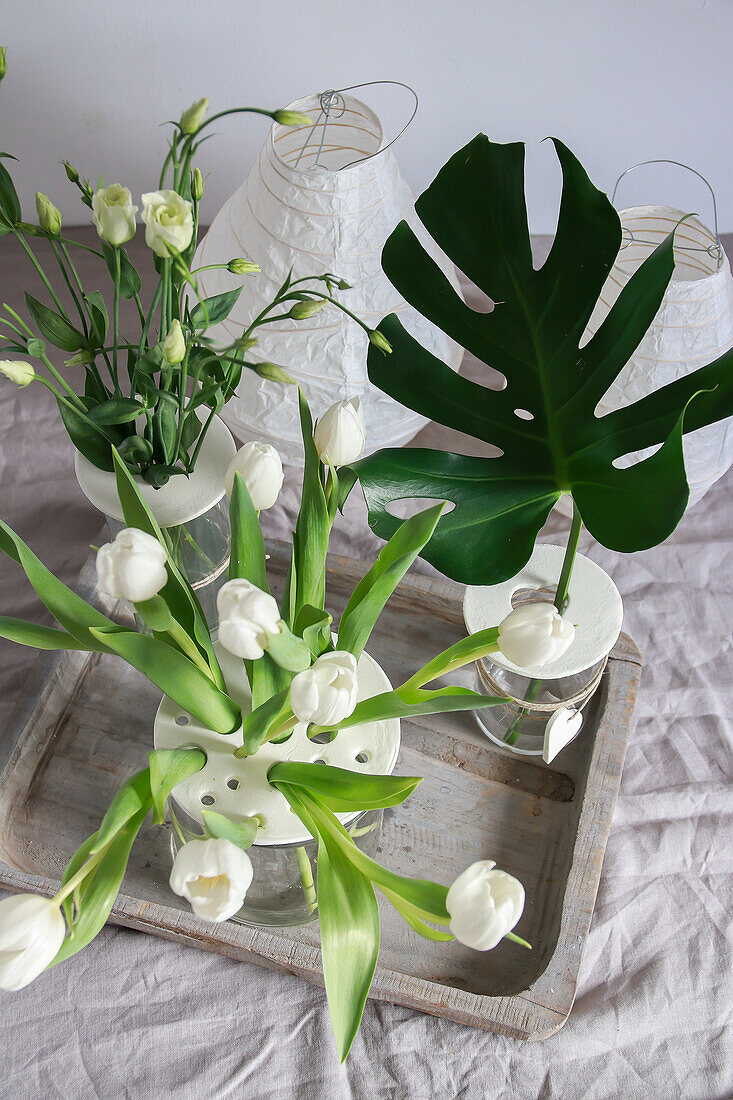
<point x="288" y="651"/>
<point x="39" y="637"/>
<point x="341" y="790"/>
<point x="242" y="832"/>
<point x="168" y="768"/>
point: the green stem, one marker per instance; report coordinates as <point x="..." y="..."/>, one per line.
<point x="116" y="319"/>
<point x="81" y="874"/>
<point x="44" y="278"/>
<point x="306" y="878"/>
<point x="182" y="640"/>
<point x="563" y="584"/>
<point x="62" y="382"/>
<point x="57" y="251"/>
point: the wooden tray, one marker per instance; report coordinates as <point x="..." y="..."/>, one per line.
<point x="84" y="723"/>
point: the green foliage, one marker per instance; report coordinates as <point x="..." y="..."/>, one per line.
<point x="242" y="833"/>
<point x="53" y="327"/>
<point x="342" y="790"/>
<point x="215" y="309"/>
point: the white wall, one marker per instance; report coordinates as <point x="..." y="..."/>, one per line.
<point x="618" y="80"/>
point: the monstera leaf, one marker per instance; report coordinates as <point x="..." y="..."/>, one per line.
<point x="544" y="419"/>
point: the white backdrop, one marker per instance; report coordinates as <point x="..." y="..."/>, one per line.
<point x="619" y="81"/>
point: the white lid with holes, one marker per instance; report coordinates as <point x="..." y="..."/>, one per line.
<point x="239" y="788"/>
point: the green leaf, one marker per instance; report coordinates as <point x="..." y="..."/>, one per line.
<point x="129" y="279"/>
<point x="242" y="833"/>
<point x="39" y="637"/>
<point x="100" y="319"/>
<point x="418" y="925"/>
<point x="256" y="724"/>
<point x="214" y="309"/>
<point x="9" y="201"/>
<point x="92" y="442"/>
<point x="343" y="790"/>
<point x="475" y="212"/>
<point x="168" y="768"/>
<point x="133" y="797"/>
<point x="314" y="627"/>
<point x="248" y="560"/>
<point x="155" y="614"/>
<point x="134" y="449"/>
<point x="165" y="430"/>
<point x="391" y="704"/>
<point x="312" y="529"/>
<point x="288" y="651"/>
<point x="53" y="327"/>
<point x="375" y="588"/>
<point x="118" y="410"/>
<point x="191" y="431"/>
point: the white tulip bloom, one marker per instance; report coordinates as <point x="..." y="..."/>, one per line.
<point x="214" y="876"/>
<point x="174" y="345"/>
<point x="246" y="616"/>
<point x="168" y="222"/>
<point x="484" y="905"/>
<point x="32" y="930"/>
<point x="17" y="371"/>
<point x="114" y="214"/>
<point x="534" y="634"/>
<point x="327" y="692"/>
<point x="132" y="567"/>
<point x="262" y="470"/>
<point x="340" y="434"/>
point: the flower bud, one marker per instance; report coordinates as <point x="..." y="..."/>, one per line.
<point x="49" y="216"/>
<point x="302" y="310"/>
<point x="292" y="118"/>
<point x="81" y="358"/>
<point x="197" y="184"/>
<point x="244" y="343"/>
<point x="484" y="905"/>
<point x="71" y="173"/>
<point x="343" y="285"/>
<point x="168" y="222"/>
<point x="243" y="267"/>
<point x="328" y="691"/>
<point x="192" y="118"/>
<point x="17" y="371"/>
<point x="114" y="214"/>
<point x="340" y="434"/>
<point x="534" y="634"/>
<point x="132" y="567"/>
<point x="247" y="615"/>
<point x="32" y="930"/>
<point x="174" y="345"/>
<point x="260" y="466"/>
<point x="214" y="877"/>
<point x="380" y="341"/>
<point x="275" y="373"/>
<point x="3" y="62"/>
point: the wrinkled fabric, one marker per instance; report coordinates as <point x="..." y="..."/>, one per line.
<point x="135" y="1016"/>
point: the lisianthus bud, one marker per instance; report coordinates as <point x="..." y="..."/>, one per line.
<point x="327" y="692"/>
<point x="379" y="341"/>
<point x="132" y="567"/>
<point x="174" y="345"/>
<point x="192" y="118"/>
<point x="214" y="877"/>
<point x="275" y="373"/>
<point x="80" y="359"/>
<point x="246" y="616"/>
<point x="71" y="173"/>
<point x="244" y="343"/>
<point x="168" y="222"/>
<point x="197" y="184"/>
<point x="243" y="267"/>
<point x="484" y="905"/>
<point x="17" y="371"/>
<point x="302" y="310"/>
<point x="340" y="434"/>
<point x="260" y="466"/>
<point x="32" y="930"/>
<point x="292" y="118"/>
<point x="343" y="285"/>
<point x="114" y="214"/>
<point x="534" y="634"/>
<point x="3" y="62"/>
<point x="49" y="216"/>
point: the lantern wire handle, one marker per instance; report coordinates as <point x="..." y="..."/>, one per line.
<point x="333" y="105"/>
<point x="713" y="250"/>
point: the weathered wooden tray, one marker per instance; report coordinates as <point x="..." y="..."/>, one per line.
<point x="84" y="724"/>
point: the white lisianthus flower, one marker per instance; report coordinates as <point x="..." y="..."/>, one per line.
<point x="262" y="470"/>
<point x="174" y="345"/>
<point x="213" y="875"/>
<point x="17" y="371"/>
<point x="327" y="692"/>
<point x="534" y="634"/>
<point x="246" y="616"/>
<point x="484" y="905"/>
<point x="114" y="214"/>
<point x="32" y="930"/>
<point x="132" y="567"/>
<point x="168" y="222"/>
<point x="340" y="435"/>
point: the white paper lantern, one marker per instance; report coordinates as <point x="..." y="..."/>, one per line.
<point x="328" y="206"/>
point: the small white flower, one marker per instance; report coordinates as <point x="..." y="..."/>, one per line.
<point x="340" y="435"/>
<point x="174" y="345"/>
<point x="114" y="214"/>
<point x="168" y="222"/>
<point x="214" y="876"/>
<point x="534" y="634"/>
<point x="17" y="371"/>
<point x="327" y="692"/>
<point x="32" y="930"/>
<point x="132" y="567"/>
<point x="484" y="905"/>
<point x="262" y="470"/>
<point x="246" y="616"/>
<point x="563" y="725"/>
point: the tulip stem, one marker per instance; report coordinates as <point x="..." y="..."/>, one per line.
<point x="176" y="632"/>
<point x="81" y="874"/>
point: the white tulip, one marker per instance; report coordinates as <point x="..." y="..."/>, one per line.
<point x="484" y="905"/>
<point x="168" y="222"/>
<point x="534" y="634"/>
<point x="214" y="876"/>
<point x="114" y="214"/>
<point x="32" y="930"/>
<point x="17" y="371"/>
<point x="246" y="616"/>
<point x="340" y="435"/>
<point x="327" y="692"/>
<point x="262" y="470"/>
<point x="132" y="567"/>
<point x="174" y="345"/>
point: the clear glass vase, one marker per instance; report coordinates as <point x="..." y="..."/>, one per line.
<point x="283" y="890"/>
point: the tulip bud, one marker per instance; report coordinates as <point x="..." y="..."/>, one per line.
<point x="534" y="634"/>
<point x="247" y="615"/>
<point x="32" y="930"/>
<point x="302" y="310"/>
<point x="71" y="173"/>
<point x="197" y="184"/>
<point x="214" y="877"/>
<point x="192" y="118"/>
<point x="379" y="341"/>
<point x="292" y="118"/>
<point x="49" y="216"/>
<point x="260" y="466"/>
<point x="174" y="345"/>
<point x="17" y="371"/>
<point x="340" y="434"/>
<point x="275" y="373"/>
<point x="328" y="691"/>
<point x="114" y="214"/>
<point x="243" y="267"/>
<point x="132" y="567"/>
<point x="484" y="905"/>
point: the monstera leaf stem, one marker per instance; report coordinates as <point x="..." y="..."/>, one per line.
<point x="561" y="594"/>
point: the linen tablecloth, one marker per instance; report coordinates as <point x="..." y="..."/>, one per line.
<point x="134" y="1016"/>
